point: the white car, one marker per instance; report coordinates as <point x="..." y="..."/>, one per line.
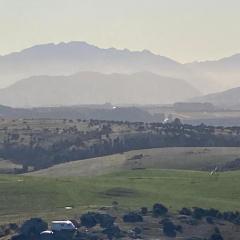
<point x="63" y="226"/>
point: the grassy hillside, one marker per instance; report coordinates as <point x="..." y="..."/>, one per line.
<point x="25" y="196"/>
<point x="164" y="158"/>
<point x="42" y="143"/>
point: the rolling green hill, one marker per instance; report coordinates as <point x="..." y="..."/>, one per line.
<point x="163" y="158"/>
<point x="26" y="196"/>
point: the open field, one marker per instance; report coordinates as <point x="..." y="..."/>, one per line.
<point x="25" y="196"/>
<point x="163" y="158"/>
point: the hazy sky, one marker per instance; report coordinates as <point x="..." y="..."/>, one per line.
<point x="185" y="30"/>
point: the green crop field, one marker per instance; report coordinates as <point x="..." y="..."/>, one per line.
<point x="26" y="196"/>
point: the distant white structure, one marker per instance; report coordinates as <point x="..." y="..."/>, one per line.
<point x="62" y="225"/>
<point x="166" y="120"/>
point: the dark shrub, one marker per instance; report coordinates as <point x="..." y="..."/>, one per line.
<point x="216" y="236"/>
<point x="112" y="232"/>
<point x="132" y="217"/>
<point x="213" y="213"/>
<point x="230" y="216"/>
<point x="33" y="227"/>
<point x="105" y="220"/>
<point x="19" y="237"/>
<point x="198" y="213"/>
<point x="169" y="229"/>
<point x="179" y="228"/>
<point x="236" y="220"/>
<point x="209" y="220"/>
<point x="81" y="236"/>
<point x="91" y="219"/>
<point x="185" y="211"/>
<point x="144" y="210"/>
<point x="159" y="209"/>
<point x="88" y="220"/>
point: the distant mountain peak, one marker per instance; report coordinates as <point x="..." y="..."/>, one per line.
<point x="68" y="58"/>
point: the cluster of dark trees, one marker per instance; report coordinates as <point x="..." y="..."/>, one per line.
<point x="108" y="227"/>
<point x="76" y="146"/>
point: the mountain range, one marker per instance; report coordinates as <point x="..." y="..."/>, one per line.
<point x="224" y="73"/>
<point x="26" y="74"/>
<point x="96" y="88"/>
<point x="73" y="57"/>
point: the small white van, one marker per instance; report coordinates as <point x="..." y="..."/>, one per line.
<point x="62" y="226"/>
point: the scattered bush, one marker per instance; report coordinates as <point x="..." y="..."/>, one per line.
<point x="144" y="210"/>
<point x="91" y="219"/>
<point x="33" y="227"/>
<point x="185" y="211"/>
<point x="105" y="220"/>
<point x="169" y="229"/>
<point x="159" y="209"/>
<point x="88" y="220"/>
<point x="112" y="232"/>
<point x="209" y="220"/>
<point x="216" y="236"/>
<point x="199" y="213"/>
<point x="132" y="217"/>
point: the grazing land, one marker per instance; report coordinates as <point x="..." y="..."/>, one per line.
<point x="26" y="196"/>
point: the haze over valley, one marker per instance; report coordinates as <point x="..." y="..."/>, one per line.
<point x="119" y="120"/>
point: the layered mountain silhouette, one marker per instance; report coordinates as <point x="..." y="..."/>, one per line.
<point x="73" y="57"/>
<point x="96" y="88"/>
<point x="224" y="73"/>
<point x="56" y="68"/>
<point x="229" y="98"/>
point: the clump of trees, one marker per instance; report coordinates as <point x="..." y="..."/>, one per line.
<point x="45" y="148"/>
